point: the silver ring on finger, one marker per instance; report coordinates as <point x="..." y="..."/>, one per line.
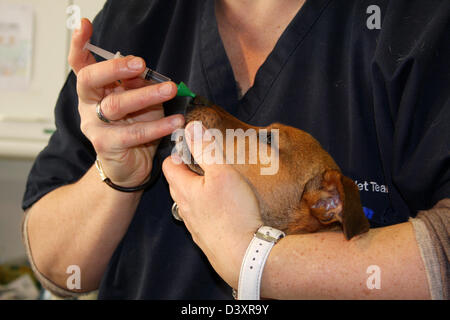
<point x="100" y="114"/>
<point x="175" y="212"/>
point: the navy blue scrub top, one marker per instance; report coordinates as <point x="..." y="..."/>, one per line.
<point x="376" y="99"/>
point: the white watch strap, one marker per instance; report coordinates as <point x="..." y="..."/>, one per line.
<point x="254" y="260"/>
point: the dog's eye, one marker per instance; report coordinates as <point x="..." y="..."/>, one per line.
<point x="268" y="138"/>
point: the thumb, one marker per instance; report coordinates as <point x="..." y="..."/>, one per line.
<point x="78" y="56"/>
<point x="206" y="146"/>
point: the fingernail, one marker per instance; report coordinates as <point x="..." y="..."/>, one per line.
<point x="165" y="89"/>
<point x="135" y="64"/>
<point x="177" y="122"/>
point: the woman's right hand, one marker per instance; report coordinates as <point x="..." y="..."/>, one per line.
<point x="127" y="145"/>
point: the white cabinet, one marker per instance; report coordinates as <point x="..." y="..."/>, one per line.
<point x="26" y="116"/>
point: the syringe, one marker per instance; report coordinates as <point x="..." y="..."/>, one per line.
<point x="148" y="74"/>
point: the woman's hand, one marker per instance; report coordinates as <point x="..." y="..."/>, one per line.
<point x="127" y="145"/>
<point x="219" y="209"/>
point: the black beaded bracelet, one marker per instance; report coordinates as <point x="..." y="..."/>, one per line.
<point x="156" y="170"/>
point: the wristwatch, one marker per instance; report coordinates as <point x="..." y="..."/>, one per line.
<point x="254" y="260"/>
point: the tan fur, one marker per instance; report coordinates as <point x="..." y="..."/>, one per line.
<point x="307" y="194"/>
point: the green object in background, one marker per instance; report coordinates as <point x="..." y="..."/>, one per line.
<point x="49" y="131"/>
<point x="184" y="91"/>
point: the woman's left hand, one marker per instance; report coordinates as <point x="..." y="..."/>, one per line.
<point x="220" y="209"/>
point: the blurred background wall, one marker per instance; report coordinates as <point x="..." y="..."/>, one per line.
<point x="26" y="114"/>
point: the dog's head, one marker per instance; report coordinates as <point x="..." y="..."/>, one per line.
<point x="306" y="193"/>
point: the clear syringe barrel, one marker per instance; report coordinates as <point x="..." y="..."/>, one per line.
<point x="151" y="75"/>
<point x="148" y="74"/>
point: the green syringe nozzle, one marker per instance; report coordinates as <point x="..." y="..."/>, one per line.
<point x="184" y="91"/>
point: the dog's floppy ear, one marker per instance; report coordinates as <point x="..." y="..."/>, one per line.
<point x="332" y="197"/>
<point x="354" y="220"/>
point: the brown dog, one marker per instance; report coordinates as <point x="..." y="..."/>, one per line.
<point x="307" y="194"/>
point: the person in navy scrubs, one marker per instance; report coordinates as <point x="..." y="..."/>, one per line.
<point x="368" y="79"/>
